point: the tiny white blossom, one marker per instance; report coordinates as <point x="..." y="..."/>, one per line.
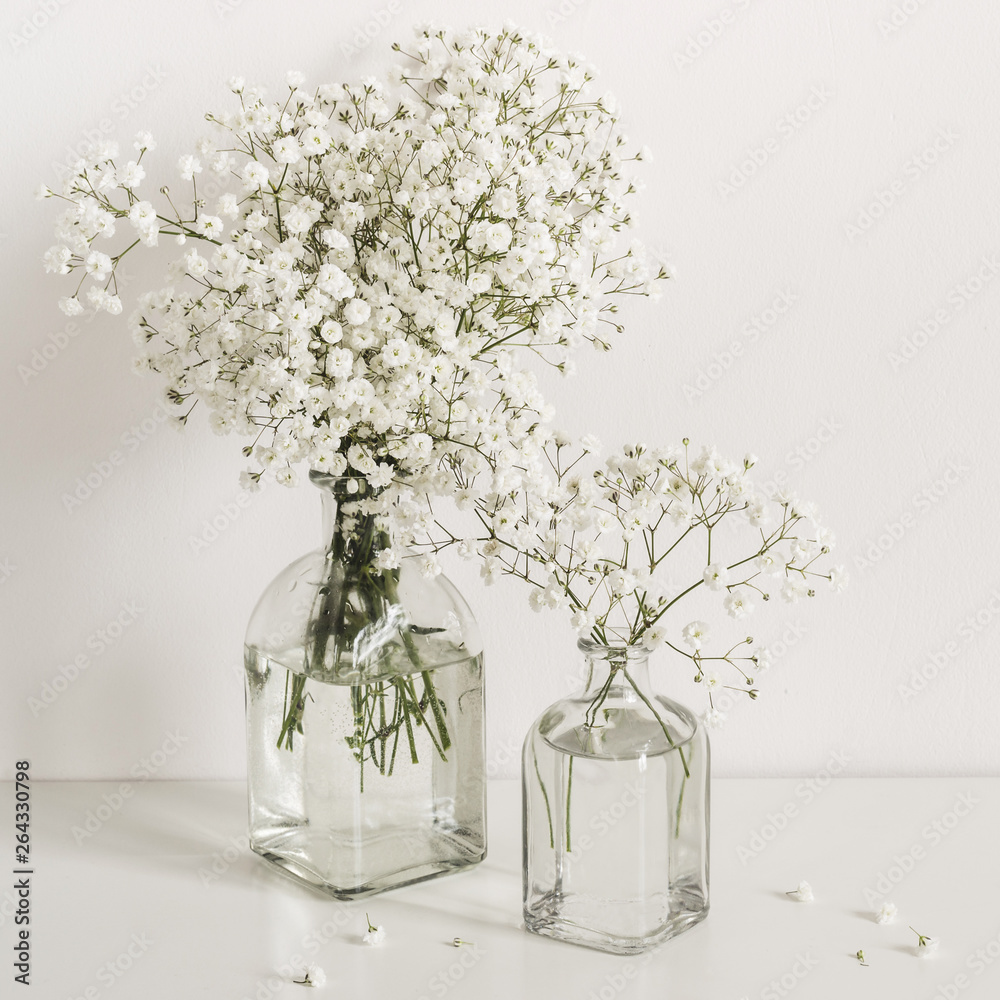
<point x="71" y="306"/>
<point x="250" y="481"/>
<point x="131" y="174"/>
<point x="188" y="166"/>
<point x="57" y="259"/>
<point x="654" y="637"/>
<point x="716" y="576"/>
<point x="287" y="150"/>
<point x="768" y="562"/>
<point x="429" y="567"/>
<point x="374" y="935"/>
<point x="695" y="634"/>
<point x="312" y="975"/>
<point x="803" y="894"/>
<point x="926" y="946"/>
<point x="98" y="265"/>
<point x="794" y="589"/>
<point x="886" y="914"/>
<point x="713" y="719"/>
<point x="387" y="559"/>
<point x="357" y="311"/>
<point x="738" y="605"/>
<point x="498" y="236"/>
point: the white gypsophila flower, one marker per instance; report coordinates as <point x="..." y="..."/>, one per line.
<point x="838" y="578"/>
<point x="762" y="658"/>
<point x="498" y="236"/>
<point x="926" y="946"/>
<point x="695" y="634"/>
<point x="713" y="719"/>
<point x="886" y="914"/>
<point x="250" y="481"/>
<point x="387" y="559"/>
<point x="374" y="935"/>
<point x="716" y="576"/>
<point x="711" y="680"/>
<point x="57" y="259"/>
<point x="802" y="894"/>
<point x="357" y="311"/>
<point x="769" y="563"/>
<point x="312" y="975"/>
<point x="71" y="306"/>
<point x="794" y="589"/>
<point x="654" y="637"/>
<point x="131" y="175"/>
<point x="287" y="150"/>
<point x="738" y="605"/>
<point x="429" y="567"/>
<point x="97" y="265"/>
<point x="188" y="166"/>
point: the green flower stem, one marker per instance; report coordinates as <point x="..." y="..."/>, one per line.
<point x="335" y="620"/>
<point x="659" y="719"/>
<point x="545" y="796"/>
<point x="569" y="793"/>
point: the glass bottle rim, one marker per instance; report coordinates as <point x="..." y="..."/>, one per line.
<point x="609" y="651"/>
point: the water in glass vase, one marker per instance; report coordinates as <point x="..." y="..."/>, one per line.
<point x="616" y="819"/>
<point x="367" y="790"/>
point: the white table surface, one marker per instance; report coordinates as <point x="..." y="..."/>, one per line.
<point x="135" y="883"/>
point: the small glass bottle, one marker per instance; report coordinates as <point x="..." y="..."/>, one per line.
<point x="616" y="811"/>
<point x="364" y="696"/>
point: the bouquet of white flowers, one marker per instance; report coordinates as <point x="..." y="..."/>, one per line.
<point x="599" y="545"/>
<point x="355" y="294"/>
<point x="353" y="299"/>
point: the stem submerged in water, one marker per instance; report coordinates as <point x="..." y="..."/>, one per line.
<point x="354" y="601"/>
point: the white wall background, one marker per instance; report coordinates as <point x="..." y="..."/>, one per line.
<point x="904" y="124"/>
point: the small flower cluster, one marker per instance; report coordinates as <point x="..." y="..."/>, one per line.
<point x="359" y="296"/>
<point x="598" y="544"/>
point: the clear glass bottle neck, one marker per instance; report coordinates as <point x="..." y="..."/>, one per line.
<point x="618" y="672"/>
<point x="334" y="492"/>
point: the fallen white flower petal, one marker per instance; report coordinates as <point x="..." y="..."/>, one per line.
<point x="374" y="935"/>
<point x="803" y="894"/>
<point x="313" y="976"/>
<point x="887" y="914"/>
<point x="926" y="946"/>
